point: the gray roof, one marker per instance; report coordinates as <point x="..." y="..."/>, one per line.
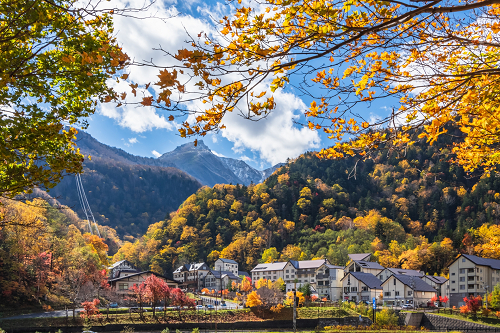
<point x="493" y="263"/>
<point x="221" y="274"/>
<point x="409" y="272"/>
<point x="359" y="256"/>
<point x="369" y="264"/>
<point x="436" y="279"/>
<point x="275" y="266"/>
<point x="303" y="264"/>
<point x="415" y="283"/>
<point x="334" y="266"/>
<point x="240" y="273"/>
<point x="228" y="261"/>
<point x="369" y="279"/>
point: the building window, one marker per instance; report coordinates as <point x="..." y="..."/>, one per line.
<point x="470" y="286"/>
<point x="423" y="293"/>
<point x="286" y="277"/>
<point x="320" y="283"/>
<point x="365" y="288"/>
<point x="346" y="289"/>
<point x="452" y="289"/>
<point x="394" y="281"/>
<point x="462" y="278"/>
<point x="381" y="277"/>
<point x="462" y="286"/>
<point x="354" y="289"/>
<point x="452" y="281"/>
<point x="397" y="293"/>
<point x="287" y="271"/>
<point x="453" y="274"/>
<point x="463" y="259"/>
<point x="410" y="292"/>
<point x="470" y="270"/>
<point x="387" y="293"/>
<point x="462" y="270"/>
<point x="123" y="286"/>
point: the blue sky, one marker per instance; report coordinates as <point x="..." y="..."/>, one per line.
<point x="146" y="132"/>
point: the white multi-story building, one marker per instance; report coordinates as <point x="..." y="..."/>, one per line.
<point x="269" y="271"/>
<point x="191" y="275"/>
<point x="227" y="265"/>
<point x="323" y="277"/>
<point x="472" y="276"/>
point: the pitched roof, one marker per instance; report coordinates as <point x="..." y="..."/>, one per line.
<point x="222" y="274"/>
<point x="227" y="261"/>
<point x="182" y="268"/>
<point x="334" y="266"/>
<point x="144" y="272"/>
<point x="240" y="273"/>
<point x="303" y="264"/>
<point x="369" y="279"/>
<point x="275" y="266"/>
<point x="436" y="279"/>
<point x="359" y="256"/>
<point x="415" y="283"/>
<point x="198" y="266"/>
<point x="493" y="263"/>
<point x="409" y="272"/>
<point x="369" y="264"/>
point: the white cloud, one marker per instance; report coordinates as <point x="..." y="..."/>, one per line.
<point x="133" y="140"/>
<point x="274" y="138"/>
<point x="155" y="153"/>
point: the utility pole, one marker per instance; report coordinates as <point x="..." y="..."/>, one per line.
<point x="295" y="306"/>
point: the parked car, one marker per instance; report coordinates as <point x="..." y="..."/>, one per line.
<point x="224" y="306"/>
<point x="407" y="306"/>
<point x="199" y="307"/>
<point x="113" y="305"/>
<point x="160" y="308"/>
<point x="210" y="307"/>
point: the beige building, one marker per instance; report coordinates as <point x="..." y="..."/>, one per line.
<point x="122" y="285"/>
<point x="359" y="286"/>
<point x="329" y="281"/>
<point x="471" y="276"/>
<point x="406" y="289"/>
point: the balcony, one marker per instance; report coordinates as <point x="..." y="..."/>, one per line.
<point x="322" y="276"/>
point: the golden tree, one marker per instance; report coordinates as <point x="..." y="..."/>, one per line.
<point x="436" y="60"/>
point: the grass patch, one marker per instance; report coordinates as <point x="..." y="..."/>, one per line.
<point x="322" y="312"/>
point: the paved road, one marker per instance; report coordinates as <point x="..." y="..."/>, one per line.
<point x="50" y="314"/>
<point x="212" y="300"/>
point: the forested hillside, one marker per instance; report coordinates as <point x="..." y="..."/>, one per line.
<point x="127" y="197"/>
<point x="47" y="255"/>
<point x="413" y="211"/>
